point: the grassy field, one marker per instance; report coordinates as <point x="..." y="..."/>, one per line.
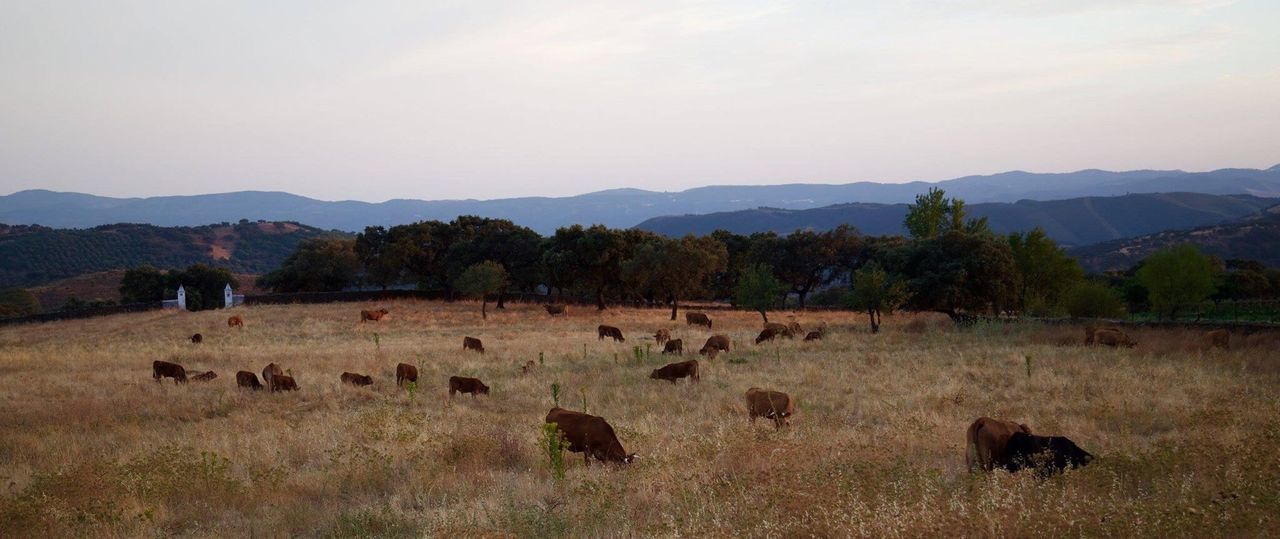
<point x="1188" y="440"/>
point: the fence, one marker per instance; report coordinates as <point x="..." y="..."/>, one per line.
<point x="88" y="312"/>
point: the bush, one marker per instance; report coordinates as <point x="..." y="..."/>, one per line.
<point x="16" y="302"/>
<point x="1093" y="300"/>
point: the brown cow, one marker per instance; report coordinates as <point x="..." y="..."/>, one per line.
<point x="987" y="442"/>
<point x="710" y="351"/>
<point x="674" y="346"/>
<point x="165" y="369"/>
<point x="554" y="309"/>
<point x="356" y="379"/>
<point x="662" y="336"/>
<point x="528" y="367"/>
<point x="206" y="376"/>
<point x="281" y="382"/>
<point x="248" y="379"/>
<point x="270" y="371"/>
<point x="590" y="435"/>
<point x="768" y="404"/>
<point x="813" y="336"/>
<point x="779" y="329"/>
<point x="1218" y="338"/>
<point x="406" y="373"/>
<point x="1090" y="332"/>
<point x="235" y="322"/>
<point x="197" y="338"/>
<point x="768" y="334"/>
<point x="697" y="319"/>
<point x="719" y="342"/>
<point x="373" y="316"/>
<point x="462" y="384"/>
<point x="794" y="328"/>
<point x="1114" y="338"/>
<point x="472" y="343"/>
<point x="676" y="371"/>
<point x="610" y="331"/>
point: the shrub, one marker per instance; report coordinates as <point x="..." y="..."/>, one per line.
<point x="1093" y="300"/>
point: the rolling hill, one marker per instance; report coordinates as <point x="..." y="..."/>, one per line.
<point x="1077" y="221"/>
<point x="33" y="255"/>
<point x="1254" y="238"/>
<point x="616" y="208"/>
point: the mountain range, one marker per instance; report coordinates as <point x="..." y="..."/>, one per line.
<point x="619" y="208"/>
<point x="1254" y="238"/>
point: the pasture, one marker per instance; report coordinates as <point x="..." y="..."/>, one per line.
<point x="1187" y="440"/>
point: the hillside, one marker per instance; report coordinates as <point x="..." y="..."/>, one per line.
<point x="32" y="255"/>
<point x="1256" y="238"/>
<point x="617" y="208"/>
<point x="105" y="285"/>
<point x="1077" y="221"/>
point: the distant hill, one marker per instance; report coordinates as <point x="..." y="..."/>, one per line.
<point x="1255" y="238"/>
<point x="1076" y="221"/>
<point x="616" y="208"/>
<point x="33" y="255"/>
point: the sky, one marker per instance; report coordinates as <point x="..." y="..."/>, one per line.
<point x="375" y="100"/>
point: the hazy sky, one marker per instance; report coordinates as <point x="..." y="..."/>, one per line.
<point x="373" y="100"/>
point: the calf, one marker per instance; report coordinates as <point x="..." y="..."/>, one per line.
<point x="719" y="342"/>
<point x="674" y="346"/>
<point x="1045" y="454"/>
<point x="609" y="331"/>
<point x="206" y="376"/>
<point x="235" y="322"/>
<point x="1218" y="338"/>
<point x="473" y="386"/>
<point x="472" y="343"/>
<point x="662" y="336"/>
<point x="406" y="373"/>
<point x="987" y="442"/>
<point x="270" y="371"/>
<point x="282" y="382"/>
<point x="767" y="334"/>
<point x="554" y="309"/>
<point x="356" y="379"/>
<point x="248" y="379"/>
<point x="768" y="404"/>
<point x="697" y="319"/>
<point x="197" y="338"/>
<point x="590" y="435"/>
<point x="676" y="371"/>
<point x="1114" y="338"/>
<point x="165" y="369"/>
<point x="373" y="316"/>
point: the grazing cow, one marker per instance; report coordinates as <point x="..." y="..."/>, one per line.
<point x="472" y="343"/>
<point x="406" y="373"/>
<point x="813" y="336"/>
<point x="590" y="435"/>
<point x="1091" y="332"/>
<point x="281" y="382"/>
<point x="697" y="319"/>
<point x="1218" y="338"/>
<point x="768" y="334"/>
<point x="248" y="379"/>
<point x="662" y="336"/>
<point x="235" y="322"/>
<point x="719" y="342"/>
<point x="674" y="346"/>
<point x="610" y="331"/>
<point x="554" y="309"/>
<point x="779" y="329"/>
<point x="373" y="316"/>
<point x="710" y="351"/>
<point x="676" y="371"/>
<point x="165" y="369"/>
<point x="1045" y="454"/>
<point x="987" y="442"/>
<point x="1114" y="338"/>
<point x="197" y="338"/>
<point x="768" y="404"/>
<point x="794" y="328"/>
<point x="528" y="367"/>
<point x="462" y="384"/>
<point x="270" y="371"/>
<point x="356" y="379"/>
<point x="206" y="376"/>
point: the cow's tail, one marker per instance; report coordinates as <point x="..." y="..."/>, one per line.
<point x="971" y="445"/>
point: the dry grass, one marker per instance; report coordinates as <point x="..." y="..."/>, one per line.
<point x="90" y="446"/>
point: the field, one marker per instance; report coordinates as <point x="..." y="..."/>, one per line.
<point x="1188" y="440"/>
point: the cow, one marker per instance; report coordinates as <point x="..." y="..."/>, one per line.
<point x="406" y="373"/>
<point x="206" y="376"/>
<point x="794" y="328"/>
<point x="779" y="329"/>
<point x="590" y="435"/>
<point x="662" y="336"/>
<point x="235" y="322"/>
<point x="609" y="331"/>
<point x="472" y="343"/>
<point x="987" y="442"/>
<point x="674" y="346"/>
<point x="676" y="371"/>
<point x="270" y="371"/>
<point x="165" y="369"/>
<point x="1045" y="454"/>
<point x="356" y="379"/>
<point x="282" y="382"/>
<point x="528" y="367"/>
<point x="554" y="309"/>
<point x="462" y="384"/>
<point x="767" y="334"/>
<point x="697" y="319"/>
<point x="1218" y="338"/>
<point x="248" y="379"/>
<point x="719" y="342"/>
<point x="813" y="336"/>
<point x="768" y="404"/>
<point x="1114" y="338"/>
<point x="197" y="338"/>
<point x="373" y="316"/>
<point x="710" y="351"/>
<point x="1090" y="332"/>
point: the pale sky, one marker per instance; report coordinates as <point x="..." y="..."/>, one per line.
<point x="373" y="100"/>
